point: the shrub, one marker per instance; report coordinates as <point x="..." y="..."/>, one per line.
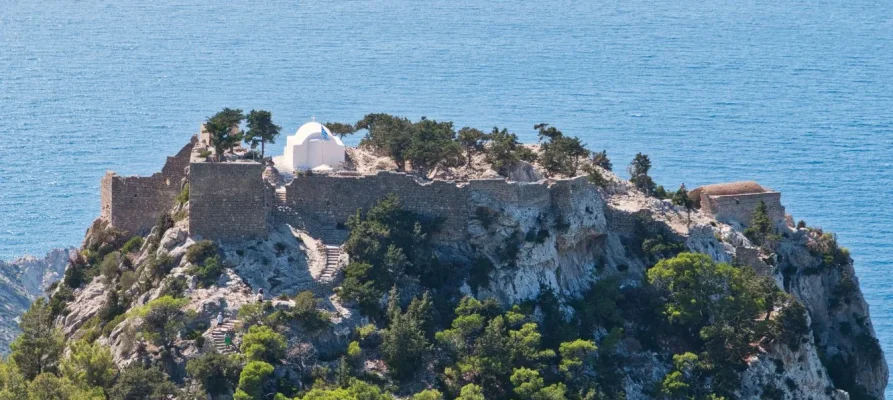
<point x="595" y="177"/>
<point x="135" y="382"/>
<point x="208" y="271"/>
<point x="89" y="365"/>
<point x="59" y="300"/>
<point x="200" y="251"/>
<point x="183" y="196"/>
<point x="657" y="246"/>
<point x="479" y="273"/>
<point x="158" y="266"/>
<point x="175" y="287"/>
<point x="600" y="159"/>
<point x="306" y="310"/>
<point x="163" y="318"/>
<point x="132" y="245"/>
<point x="109" y="266"/>
<point x="353" y="350"/>
<point x="252" y="380"/>
<point x="263" y="344"/>
<point x="217" y="373"/>
<point x="792" y="323"/>
<point x="404" y="342"/>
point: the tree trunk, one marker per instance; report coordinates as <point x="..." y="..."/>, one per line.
<point x="262" y="149"/>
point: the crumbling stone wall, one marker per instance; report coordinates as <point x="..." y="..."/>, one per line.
<point x="134" y="203"/>
<point x="228" y="201"/>
<point x="334" y="198"/>
<point x="739" y="207"/>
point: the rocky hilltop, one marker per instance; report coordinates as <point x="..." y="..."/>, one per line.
<point x="555" y="280"/>
<point x="23" y="280"/>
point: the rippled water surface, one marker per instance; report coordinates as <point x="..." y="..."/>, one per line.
<point x="796" y="95"/>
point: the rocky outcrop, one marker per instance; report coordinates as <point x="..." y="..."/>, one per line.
<point x="561" y="235"/>
<point x="23" y="280"/>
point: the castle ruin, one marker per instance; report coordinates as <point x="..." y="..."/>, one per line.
<point x="232" y="201"/>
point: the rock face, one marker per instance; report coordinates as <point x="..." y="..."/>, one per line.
<point x="23" y="280"/>
<point x="561" y="235"/>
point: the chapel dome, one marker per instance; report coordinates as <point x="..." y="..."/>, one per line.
<point x="313" y="131"/>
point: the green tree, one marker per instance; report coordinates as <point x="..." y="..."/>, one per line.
<point x="433" y="143"/>
<point x="217" y="373"/>
<point x="137" y="383"/>
<point x="529" y="385"/>
<point x="472" y="140"/>
<point x="594" y="176"/>
<point x="389" y="135"/>
<point x="252" y="380"/>
<point x="718" y="305"/>
<point x="13" y="385"/>
<point x="760" y="228"/>
<point x="682" y="199"/>
<point x="504" y="151"/>
<point x="385" y="243"/>
<point x="261" y="129"/>
<point x="39" y="347"/>
<point x="223" y="130"/>
<point x="307" y="311"/>
<point x="471" y="392"/>
<point x="638" y="172"/>
<point x="339" y="129"/>
<point x="47" y="386"/>
<point x="428" y="394"/>
<point x="356" y="390"/>
<point x="89" y="364"/>
<point x="601" y="159"/>
<point x="263" y="344"/>
<point x="403" y="342"/>
<point x="163" y="319"/>
<point x="685" y="380"/>
<point x="560" y="155"/>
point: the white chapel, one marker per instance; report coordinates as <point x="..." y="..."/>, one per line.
<point x="312" y="146"/>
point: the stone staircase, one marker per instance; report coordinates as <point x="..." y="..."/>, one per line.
<point x="218" y="337"/>
<point x="281" y="196"/>
<point x="332" y="250"/>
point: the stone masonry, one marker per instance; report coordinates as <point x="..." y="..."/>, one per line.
<point x="227" y="201"/>
<point x="134" y="203"/>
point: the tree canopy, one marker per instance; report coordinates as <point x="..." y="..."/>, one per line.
<point x="223" y="129"/>
<point x="261" y="129"/>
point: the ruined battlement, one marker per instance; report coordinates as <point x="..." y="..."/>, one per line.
<point x="735" y="202"/>
<point x="133" y="203"/>
<point x="231" y="201"/>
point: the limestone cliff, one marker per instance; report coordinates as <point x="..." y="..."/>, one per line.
<point x="21" y="281"/>
<point x="567" y="237"/>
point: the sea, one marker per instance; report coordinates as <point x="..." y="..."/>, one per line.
<point x="796" y="95"/>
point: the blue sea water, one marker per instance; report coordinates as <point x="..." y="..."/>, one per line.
<point x="797" y="95"/>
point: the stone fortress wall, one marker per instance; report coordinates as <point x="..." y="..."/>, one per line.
<point x="333" y="198"/>
<point x="227" y="201"/>
<point x="739" y="208"/>
<point x="735" y="202"/>
<point x="230" y="201"/>
<point x="133" y="203"/>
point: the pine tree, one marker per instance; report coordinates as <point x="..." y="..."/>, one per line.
<point x="39" y="347"/>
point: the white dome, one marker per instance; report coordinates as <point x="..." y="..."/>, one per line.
<point x="313" y="131"/>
